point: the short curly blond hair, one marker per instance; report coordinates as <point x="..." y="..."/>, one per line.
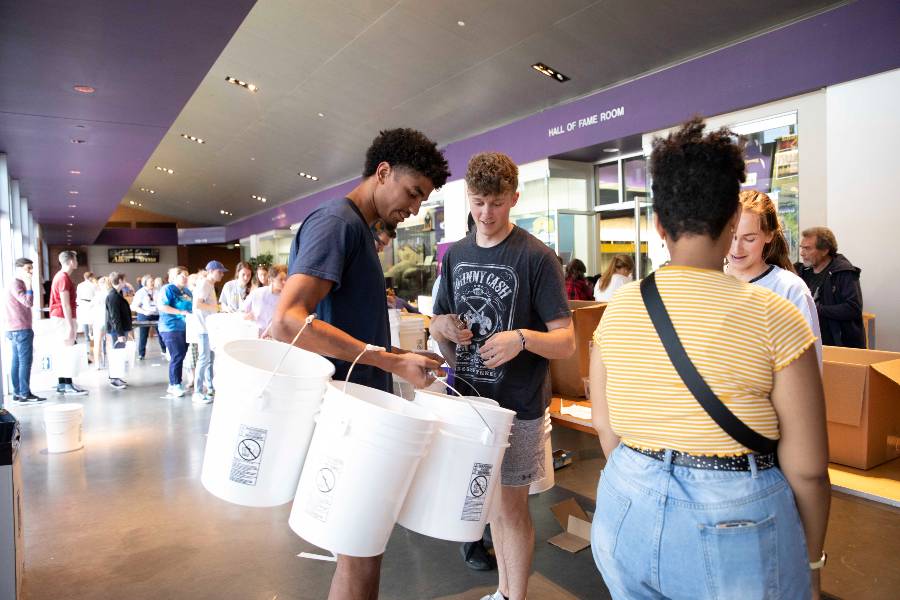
<point x="492" y="173"/>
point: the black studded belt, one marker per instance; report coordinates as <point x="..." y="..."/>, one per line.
<point x="713" y="463"/>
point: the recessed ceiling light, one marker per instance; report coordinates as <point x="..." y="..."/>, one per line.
<point x="165" y="170"/>
<point x="549" y="72"/>
<point x="611" y="150"/>
<point x="322" y="115"/>
<point x="225" y="212"/>
<point x="71" y="216"/>
<point x="73" y="172"/>
<point x="308" y="176"/>
<point x="461" y="23"/>
<point x="70" y="224"/>
<point x="131" y="202"/>
<point x="84" y="89"/>
<point x="192" y="138"/>
<point x="247" y="86"/>
<point x="260" y="198"/>
<point x="76" y="141"/>
<point x="252" y="158"/>
<point x="148" y="190"/>
<point x="73" y="206"/>
<point x="73" y="192"/>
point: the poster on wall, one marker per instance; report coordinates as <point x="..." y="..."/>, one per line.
<point x="133" y="255"/>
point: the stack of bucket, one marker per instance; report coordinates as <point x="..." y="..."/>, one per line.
<point x="451" y="495"/>
<point x="262" y="424"/>
<point x="364" y="454"/>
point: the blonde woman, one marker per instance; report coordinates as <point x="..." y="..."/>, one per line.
<point x="617" y="274"/>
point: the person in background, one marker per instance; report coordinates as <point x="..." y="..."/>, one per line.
<point x="174" y="305"/>
<point x="98" y="321"/>
<point x="577" y="287"/>
<point x="617" y="274"/>
<point x="834" y="283"/>
<point x="396" y="302"/>
<point x="205" y="304"/>
<point x="383" y="235"/>
<point x="262" y="276"/>
<point x="683" y="509"/>
<point x="118" y="320"/>
<point x="759" y="254"/>
<point x="127" y="289"/>
<point x="144" y="305"/>
<point x="158" y="283"/>
<point x="260" y="304"/>
<point x="63" y="311"/>
<point x="234" y="292"/>
<point x="19" y="302"/>
<point x="501" y="316"/>
<point x="84" y="293"/>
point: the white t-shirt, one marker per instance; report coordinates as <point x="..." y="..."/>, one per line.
<point x="204" y="292"/>
<point x="790" y="286"/>
<point x="261" y="303"/>
<point x="615" y="282"/>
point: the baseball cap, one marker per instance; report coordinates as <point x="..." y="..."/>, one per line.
<point x="215" y="265"/>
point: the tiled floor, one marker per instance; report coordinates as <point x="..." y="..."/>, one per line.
<point x="126" y="517"/>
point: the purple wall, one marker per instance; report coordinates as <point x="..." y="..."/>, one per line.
<point x="853" y="41"/>
<point x="145" y="236"/>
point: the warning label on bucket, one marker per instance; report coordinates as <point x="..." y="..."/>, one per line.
<point x="473" y="506"/>
<point x="320" y="495"/>
<point x="247" y="454"/>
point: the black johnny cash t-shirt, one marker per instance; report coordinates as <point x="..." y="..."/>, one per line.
<point x="517" y="284"/>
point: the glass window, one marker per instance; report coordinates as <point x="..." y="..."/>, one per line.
<point x="409" y="262"/>
<point x="608" y="183"/>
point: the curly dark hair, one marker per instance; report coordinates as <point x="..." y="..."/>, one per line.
<point x="410" y="149"/>
<point x="696" y="179"/>
<point x="492" y="173"/>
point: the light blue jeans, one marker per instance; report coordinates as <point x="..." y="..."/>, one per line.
<point x="205" y="358"/>
<point x="664" y="531"/>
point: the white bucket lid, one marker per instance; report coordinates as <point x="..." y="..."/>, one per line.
<point x="63" y="412"/>
<point x="391" y="410"/>
<point x="261" y="356"/>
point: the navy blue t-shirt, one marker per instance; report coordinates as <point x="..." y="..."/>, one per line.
<point x="336" y="243"/>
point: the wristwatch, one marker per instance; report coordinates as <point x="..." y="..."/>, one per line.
<point x="813" y="566"/>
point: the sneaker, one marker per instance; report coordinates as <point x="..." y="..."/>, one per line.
<point x="199" y="398"/>
<point x="69" y="389"/>
<point x="495" y="596"/>
<point x="118" y="383"/>
<point x="29" y="399"/>
<point x="167" y="356"/>
<point x="176" y="390"/>
<point x="477" y="557"/>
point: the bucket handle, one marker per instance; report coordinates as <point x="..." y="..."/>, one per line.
<point x="306" y="322"/>
<point x="472" y="387"/>
<point x="368" y="348"/>
<point x="470" y="403"/>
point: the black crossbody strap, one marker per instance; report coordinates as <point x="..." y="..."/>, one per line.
<point x="707" y="398"/>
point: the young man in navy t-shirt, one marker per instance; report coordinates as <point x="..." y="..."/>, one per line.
<point x="335" y="273"/>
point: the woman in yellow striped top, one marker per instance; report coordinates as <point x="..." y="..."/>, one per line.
<point x="683" y="509"/>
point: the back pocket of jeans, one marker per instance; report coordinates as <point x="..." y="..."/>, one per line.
<point x="611" y="510"/>
<point x="741" y="559"/>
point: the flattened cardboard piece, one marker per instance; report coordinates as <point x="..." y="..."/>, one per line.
<point x="577" y="534"/>
<point x="845" y="387"/>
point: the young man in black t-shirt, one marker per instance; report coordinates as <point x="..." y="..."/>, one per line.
<point x="501" y="314"/>
<point x="335" y="273"/>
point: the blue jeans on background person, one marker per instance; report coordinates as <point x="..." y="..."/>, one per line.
<point x="144" y="333"/>
<point x="204" y="371"/>
<point x="22" y="356"/>
<point x="176" y="343"/>
<point x="664" y="531"/>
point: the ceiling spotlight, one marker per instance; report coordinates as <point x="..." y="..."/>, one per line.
<point x="131" y="202"/>
<point x="308" y="176"/>
<point x="611" y="150"/>
<point x="73" y="172"/>
<point x="84" y="89"/>
<point x="549" y="72"/>
<point x="321" y="115"/>
<point x="247" y="86"/>
<point x="148" y="190"/>
<point x="192" y="138"/>
<point x="165" y="170"/>
<point x="260" y="198"/>
<point x="76" y="141"/>
<point x="73" y="206"/>
<point x="139" y="204"/>
<point x="461" y="23"/>
<point x="70" y="224"/>
<point x="73" y="192"/>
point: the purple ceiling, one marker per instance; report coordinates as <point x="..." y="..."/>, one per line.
<point x="145" y="60"/>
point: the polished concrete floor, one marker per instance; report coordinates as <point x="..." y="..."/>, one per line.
<point x="127" y="517"/>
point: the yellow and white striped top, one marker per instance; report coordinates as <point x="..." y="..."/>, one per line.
<point x="736" y="334"/>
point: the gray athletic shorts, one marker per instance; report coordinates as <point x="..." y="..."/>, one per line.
<point x="524" y="459"/>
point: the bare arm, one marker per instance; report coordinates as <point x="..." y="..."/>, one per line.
<point x="557" y="342"/>
<point x="298" y="300"/>
<point x="803" y="449"/>
<point x="599" y="408"/>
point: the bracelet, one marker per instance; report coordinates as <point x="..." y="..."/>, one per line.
<point x="813" y="566"/>
<point x="521" y="337"/>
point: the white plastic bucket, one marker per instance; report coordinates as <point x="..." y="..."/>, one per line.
<point x="258" y="439"/>
<point x="63" y="424"/>
<point x="364" y="454"/>
<point x="394" y="323"/>
<point x="411" y="332"/>
<point x="227" y="327"/>
<point x="119" y="362"/>
<point x="451" y="495"/>
<point x="549" y="479"/>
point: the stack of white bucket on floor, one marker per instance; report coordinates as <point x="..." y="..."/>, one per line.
<point x="367" y="460"/>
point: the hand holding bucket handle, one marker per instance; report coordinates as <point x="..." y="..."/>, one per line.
<point x="261" y="401"/>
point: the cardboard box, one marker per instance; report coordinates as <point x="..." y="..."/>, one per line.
<point x="575" y="522"/>
<point x="566" y="374"/>
<point x="862" y="400"/>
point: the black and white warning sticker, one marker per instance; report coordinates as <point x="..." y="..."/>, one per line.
<point x="476" y="494"/>
<point x="320" y="496"/>
<point x="248" y="450"/>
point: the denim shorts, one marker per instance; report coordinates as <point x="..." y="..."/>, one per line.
<point x="664" y="531"/>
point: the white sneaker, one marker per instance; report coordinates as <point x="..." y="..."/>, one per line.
<point x="495" y="596"/>
<point x="175" y="390"/>
<point x="199" y="398"/>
